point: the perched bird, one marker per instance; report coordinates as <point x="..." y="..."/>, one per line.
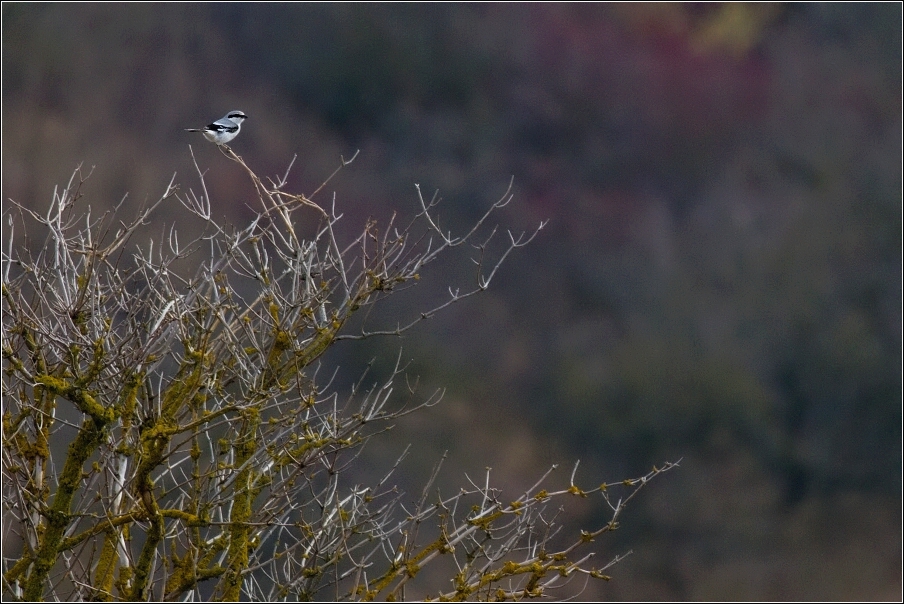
<point x="223" y="130"/>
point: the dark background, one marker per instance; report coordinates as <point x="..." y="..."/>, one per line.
<point x="720" y="279"/>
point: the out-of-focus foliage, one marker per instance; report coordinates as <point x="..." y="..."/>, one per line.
<point x="720" y="280"/>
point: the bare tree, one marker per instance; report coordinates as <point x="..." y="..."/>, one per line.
<point x="171" y="437"/>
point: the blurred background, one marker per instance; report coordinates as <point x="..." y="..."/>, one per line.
<point x="719" y="281"/>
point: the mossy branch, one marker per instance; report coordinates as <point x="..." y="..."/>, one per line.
<point x="210" y="447"/>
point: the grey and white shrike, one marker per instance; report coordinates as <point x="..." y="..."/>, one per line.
<point x="223" y="130"/>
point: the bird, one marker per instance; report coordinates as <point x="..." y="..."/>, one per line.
<point x="224" y="129"/>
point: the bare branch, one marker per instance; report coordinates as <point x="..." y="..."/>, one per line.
<point x="166" y="429"/>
